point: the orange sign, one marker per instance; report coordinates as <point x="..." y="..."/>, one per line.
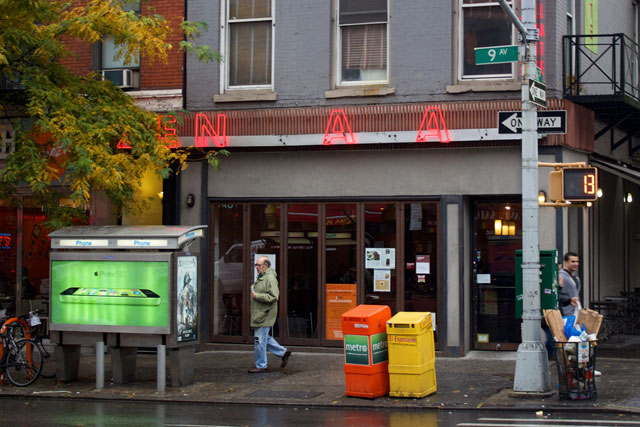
<point x="340" y="298"/>
<point x="58" y="158"/>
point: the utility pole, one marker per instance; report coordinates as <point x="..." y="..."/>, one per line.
<point x="532" y="366"/>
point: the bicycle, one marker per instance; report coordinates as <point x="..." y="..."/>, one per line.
<point x="28" y="326"/>
<point x="20" y="360"/>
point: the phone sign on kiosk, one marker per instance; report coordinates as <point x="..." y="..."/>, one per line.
<point x="126" y="287"/>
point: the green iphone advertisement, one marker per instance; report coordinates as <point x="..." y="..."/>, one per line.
<point x="110" y="293"/>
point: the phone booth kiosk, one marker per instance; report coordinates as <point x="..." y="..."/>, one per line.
<point x="125" y="287"/>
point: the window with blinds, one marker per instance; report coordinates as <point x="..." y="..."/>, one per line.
<point x="250" y="43"/>
<point x="363" y="40"/>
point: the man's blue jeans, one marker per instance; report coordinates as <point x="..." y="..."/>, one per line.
<point x="263" y="341"/>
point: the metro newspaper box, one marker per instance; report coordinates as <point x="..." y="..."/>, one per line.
<point x="365" y="351"/>
<point x="412" y="356"/>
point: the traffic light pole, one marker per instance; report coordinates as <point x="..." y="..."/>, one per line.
<point x="532" y="366"/>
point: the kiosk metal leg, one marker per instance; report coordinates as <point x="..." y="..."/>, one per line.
<point x="162" y="368"/>
<point x="99" y="365"/>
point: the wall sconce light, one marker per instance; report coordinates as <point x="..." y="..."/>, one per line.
<point x="542" y="196"/>
<point x="497" y="227"/>
<point x="599" y="193"/>
<point x="161" y="195"/>
<point x="628" y="198"/>
<point x="504" y="228"/>
<point x="191" y="200"/>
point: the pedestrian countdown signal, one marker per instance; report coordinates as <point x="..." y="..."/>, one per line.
<point x="573" y="185"/>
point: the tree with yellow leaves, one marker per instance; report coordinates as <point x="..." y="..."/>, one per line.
<point x="67" y="126"/>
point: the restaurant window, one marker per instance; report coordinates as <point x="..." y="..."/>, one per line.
<point x="362" y="40"/>
<point x="302" y="270"/>
<point x="483" y="24"/>
<point x="228" y="269"/>
<point x="341" y="264"/>
<point x="8" y="258"/>
<point x="380" y="279"/>
<point x="249" y="43"/>
<point x="265" y="241"/>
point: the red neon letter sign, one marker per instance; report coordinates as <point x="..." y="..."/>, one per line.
<point x="340" y="129"/>
<point x="124" y="142"/>
<point x="204" y="130"/>
<point x="167" y="132"/>
<point x="433" y="127"/>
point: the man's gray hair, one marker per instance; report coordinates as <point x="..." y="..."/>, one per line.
<point x="267" y="262"/>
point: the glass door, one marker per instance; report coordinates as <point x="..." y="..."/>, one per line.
<point x="421" y="257"/>
<point x="497" y="234"/>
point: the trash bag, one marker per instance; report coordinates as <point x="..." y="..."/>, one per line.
<point x="570" y="328"/>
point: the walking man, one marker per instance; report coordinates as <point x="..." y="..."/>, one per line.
<point x="569" y="293"/>
<point x="264" y="311"/>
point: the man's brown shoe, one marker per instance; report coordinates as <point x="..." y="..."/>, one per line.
<point x="285" y="358"/>
<point x="257" y="370"/>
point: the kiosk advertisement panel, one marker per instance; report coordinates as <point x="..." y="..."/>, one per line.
<point x="120" y="295"/>
<point x="187" y="293"/>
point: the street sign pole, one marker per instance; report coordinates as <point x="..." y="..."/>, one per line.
<point x="532" y="366"/>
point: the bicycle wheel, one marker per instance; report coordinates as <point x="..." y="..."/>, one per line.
<point x="48" y="362"/>
<point x="24" y="362"/>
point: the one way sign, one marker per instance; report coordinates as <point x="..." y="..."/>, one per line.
<point x="510" y="122"/>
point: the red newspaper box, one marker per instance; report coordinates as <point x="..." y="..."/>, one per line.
<point x="366" y="356"/>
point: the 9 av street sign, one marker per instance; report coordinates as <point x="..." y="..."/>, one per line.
<point x="496" y="54"/>
<point x="510" y="122"/>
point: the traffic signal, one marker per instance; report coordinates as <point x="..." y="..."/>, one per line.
<point x="573" y="185"/>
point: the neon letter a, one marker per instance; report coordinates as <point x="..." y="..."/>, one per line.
<point x="433" y="127"/>
<point x="340" y="129"/>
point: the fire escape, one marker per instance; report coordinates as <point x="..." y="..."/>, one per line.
<point x="602" y="73"/>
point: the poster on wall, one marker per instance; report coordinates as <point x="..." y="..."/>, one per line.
<point x="381" y="280"/>
<point x="123" y="295"/>
<point x="272" y="260"/>
<point x="380" y="258"/>
<point x="187" y="294"/>
<point x="340" y="298"/>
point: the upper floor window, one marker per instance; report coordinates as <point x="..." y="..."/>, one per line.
<point x="113" y="68"/>
<point x="362" y="42"/>
<point x="249" y="45"/>
<point x="483" y="23"/>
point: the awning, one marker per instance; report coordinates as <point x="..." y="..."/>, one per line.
<point x="620" y="169"/>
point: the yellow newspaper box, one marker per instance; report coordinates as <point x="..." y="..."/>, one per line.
<point x="412" y="356"/>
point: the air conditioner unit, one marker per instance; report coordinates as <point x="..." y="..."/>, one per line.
<point x="123" y="78"/>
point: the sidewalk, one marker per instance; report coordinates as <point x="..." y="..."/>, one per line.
<point x="479" y="380"/>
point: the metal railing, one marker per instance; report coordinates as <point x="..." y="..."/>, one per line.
<point x="604" y="64"/>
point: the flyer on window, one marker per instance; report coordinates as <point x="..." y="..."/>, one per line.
<point x="380" y="258"/>
<point x="423" y="264"/>
<point x="381" y="280"/>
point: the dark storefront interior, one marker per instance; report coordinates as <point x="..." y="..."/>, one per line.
<point x="337" y="255"/>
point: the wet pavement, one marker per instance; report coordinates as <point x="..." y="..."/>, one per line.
<point x="479" y="380"/>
